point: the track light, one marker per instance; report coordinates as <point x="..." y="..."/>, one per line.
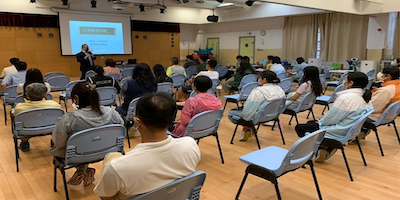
<point x="220" y="1"/>
<point x="93" y="2"/>
<point x="249" y="3"/>
<point x="65" y="2"/>
<point x="141" y="7"/>
<point x="33" y="1"/>
<point x="162" y="11"/>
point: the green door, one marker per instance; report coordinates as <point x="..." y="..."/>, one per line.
<point x="214" y="43"/>
<point x="246" y="47"/>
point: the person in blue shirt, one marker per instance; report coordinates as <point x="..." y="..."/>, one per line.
<point x="16" y="78"/>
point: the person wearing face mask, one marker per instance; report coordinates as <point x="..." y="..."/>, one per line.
<point x="268" y="91"/>
<point x="86" y="59"/>
<point x="88" y="115"/>
<point x="395" y="62"/>
<point x="349" y="106"/>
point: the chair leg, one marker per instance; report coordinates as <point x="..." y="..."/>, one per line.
<point x="198" y="141"/>
<point x="280" y="130"/>
<point x="234" y="133"/>
<point x="308" y="114"/>
<point x="225" y="105"/>
<point x="310" y="162"/>
<point x="297" y="121"/>
<point x="256" y="135"/>
<point x="312" y="113"/>
<point x="290" y="121"/>
<point x="241" y="186"/>
<point x="326" y="106"/>
<point x="379" y="141"/>
<point x="55" y="179"/>
<point x="219" y="148"/>
<point x="347" y="165"/>
<point x="278" y="194"/>
<point x="65" y="105"/>
<point x="5" y="113"/>
<point x="397" y="133"/>
<point x="65" y="184"/>
<point x="359" y="148"/>
<point x="16" y="153"/>
<point x="127" y="137"/>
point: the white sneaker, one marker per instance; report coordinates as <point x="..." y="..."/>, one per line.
<point x="270" y="123"/>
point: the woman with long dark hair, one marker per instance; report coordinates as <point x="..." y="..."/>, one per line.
<point x="244" y="69"/>
<point x="142" y="82"/>
<point x="309" y="83"/>
<point x="160" y="75"/>
<point x="33" y="75"/>
<point x="89" y="114"/>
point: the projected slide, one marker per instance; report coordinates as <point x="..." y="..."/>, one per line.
<point x="102" y="37"/>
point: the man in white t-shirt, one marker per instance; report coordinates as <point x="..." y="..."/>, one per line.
<point x="11" y="69"/>
<point x="211" y="64"/>
<point x="155" y="162"/>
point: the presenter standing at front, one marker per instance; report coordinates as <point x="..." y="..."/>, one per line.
<point x="86" y="58"/>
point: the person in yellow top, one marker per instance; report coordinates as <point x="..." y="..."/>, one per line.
<point x="34" y="98"/>
<point x="269" y="64"/>
<point x="175" y="68"/>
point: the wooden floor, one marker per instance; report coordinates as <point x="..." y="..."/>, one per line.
<point x="379" y="180"/>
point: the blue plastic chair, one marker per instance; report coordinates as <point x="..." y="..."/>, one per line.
<point x="165" y="87"/>
<point x="89" y="74"/>
<point x="115" y="76"/>
<point x="352" y="134"/>
<point x="370" y="82"/>
<point x="328" y="72"/>
<point x="222" y="71"/>
<point x="306" y="103"/>
<point x="124" y="84"/>
<point x="58" y="83"/>
<point x="89" y="146"/>
<point x="242" y="96"/>
<point x="250" y="78"/>
<point x="322" y="79"/>
<point x="272" y="162"/>
<point x="387" y="117"/>
<point x="127" y="72"/>
<point x="263" y="62"/>
<point x="35" y="122"/>
<point x="107" y="95"/>
<point x="10" y="95"/>
<point x="326" y="100"/>
<point x="20" y="99"/>
<point x="205" y="124"/>
<point x="67" y="95"/>
<point x="286" y="84"/>
<point x="129" y="117"/>
<point x="191" y="71"/>
<point x="268" y="111"/>
<point x="336" y="83"/>
<point x="178" y="80"/>
<point x="282" y="75"/>
<point x="51" y="74"/>
<point x="185" y="188"/>
<point x="370" y="73"/>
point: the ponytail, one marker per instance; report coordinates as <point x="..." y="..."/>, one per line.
<point x="270" y="76"/>
<point x="88" y="96"/>
<point x="367" y="95"/>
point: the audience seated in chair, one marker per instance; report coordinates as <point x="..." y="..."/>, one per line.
<point x="33" y="75"/>
<point x="269" y="62"/>
<point x="35" y="94"/>
<point x="203" y="101"/>
<point x="384" y="96"/>
<point x="157" y="161"/>
<point x="267" y="92"/>
<point x="309" y="82"/>
<point x="239" y="60"/>
<point x="203" y="63"/>
<point x="159" y="73"/>
<point x="110" y="68"/>
<point x="142" y="81"/>
<point x="277" y="66"/>
<point x="244" y="69"/>
<point x="297" y="70"/>
<point x="175" y="68"/>
<point x="102" y="81"/>
<point x="15" y="78"/>
<point x="350" y="105"/>
<point x="189" y="61"/>
<point x="11" y="69"/>
<point x="88" y="115"/>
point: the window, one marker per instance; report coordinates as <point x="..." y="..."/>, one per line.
<point x="318" y="44"/>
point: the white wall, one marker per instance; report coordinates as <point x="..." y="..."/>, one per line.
<point x="376" y="39"/>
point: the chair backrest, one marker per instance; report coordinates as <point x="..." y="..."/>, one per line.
<point x="282" y="75"/>
<point x="10" y="94"/>
<point x="341" y="80"/>
<point x="222" y="71"/>
<point x="127" y="72"/>
<point x="69" y="87"/>
<point x="191" y="70"/>
<point x="300" y="75"/>
<point x="37" y="121"/>
<point x="131" y="109"/>
<point x="107" y="95"/>
<point x="300" y="152"/>
<point x="217" y="67"/>
<point x="21" y="99"/>
<point x="124" y="84"/>
<point x="213" y="89"/>
<point x="270" y="110"/>
<point x="251" y="78"/>
<point x="263" y="62"/>
<point x="370" y="82"/>
<point x="58" y="83"/>
<point x="115" y="76"/>
<point x="328" y="72"/>
<point x="286" y="84"/>
<point x="306" y="103"/>
<point x="246" y="90"/>
<point x="389" y="114"/>
<point x="165" y="87"/>
<point x="91" y="145"/>
<point x="89" y="74"/>
<point x="334" y="95"/>
<point x="51" y="74"/>
<point x="204" y="124"/>
<point x="178" y="79"/>
<point x="322" y="79"/>
<point x="355" y="129"/>
<point x="370" y="73"/>
<point x="185" y="188"/>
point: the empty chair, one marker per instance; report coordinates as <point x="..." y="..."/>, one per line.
<point x="272" y="162"/>
<point x="222" y="71"/>
<point x="89" y="146"/>
<point x="89" y="74"/>
<point x="322" y="79"/>
<point x="185" y="188"/>
<point x="10" y="95"/>
<point x="107" y="96"/>
<point x="269" y="111"/>
<point x="67" y="95"/>
<point x="115" y="76"/>
<point x="370" y="73"/>
<point x="242" y="96"/>
<point x="336" y="83"/>
<point x="286" y="84"/>
<point x="36" y="122"/>
<point x="129" y="117"/>
<point x="306" y="103"/>
<point x="326" y="100"/>
<point x="191" y="71"/>
<point x="165" y="87"/>
<point x="51" y="74"/>
<point x="58" y="83"/>
<point x="127" y="72"/>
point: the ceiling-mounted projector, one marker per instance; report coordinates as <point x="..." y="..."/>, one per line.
<point x="212" y="18"/>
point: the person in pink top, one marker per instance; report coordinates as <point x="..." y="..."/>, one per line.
<point x="203" y="101"/>
<point x="111" y="69"/>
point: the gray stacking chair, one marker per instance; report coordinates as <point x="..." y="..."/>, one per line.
<point x="306" y="103"/>
<point x="129" y="117"/>
<point x="286" y="84"/>
<point x="10" y="95"/>
<point x="107" y="95"/>
<point x="242" y="96"/>
<point x="127" y="72"/>
<point x="58" y="83"/>
<point x="89" y="74"/>
<point x="115" y="76"/>
<point x="165" y="87"/>
<point x="51" y="74"/>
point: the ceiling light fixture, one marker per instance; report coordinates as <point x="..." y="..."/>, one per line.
<point x="141" y="8"/>
<point x="249" y="3"/>
<point x="93" y="2"/>
<point x="225" y="5"/>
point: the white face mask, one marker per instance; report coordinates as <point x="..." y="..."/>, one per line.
<point x="392" y="63"/>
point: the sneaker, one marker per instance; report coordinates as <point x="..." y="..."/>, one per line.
<point x="330" y="153"/>
<point x="245" y="135"/>
<point x="89" y="176"/>
<point x="270" y="123"/>
<point x="24" y="146"/>
<point x="321" y="155"/>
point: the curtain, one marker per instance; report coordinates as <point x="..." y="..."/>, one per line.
<point x="396" y="47"/>
<point x="299" y="37"/>
<point x="343" y="36"/>
<point x="28" y="20"/>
